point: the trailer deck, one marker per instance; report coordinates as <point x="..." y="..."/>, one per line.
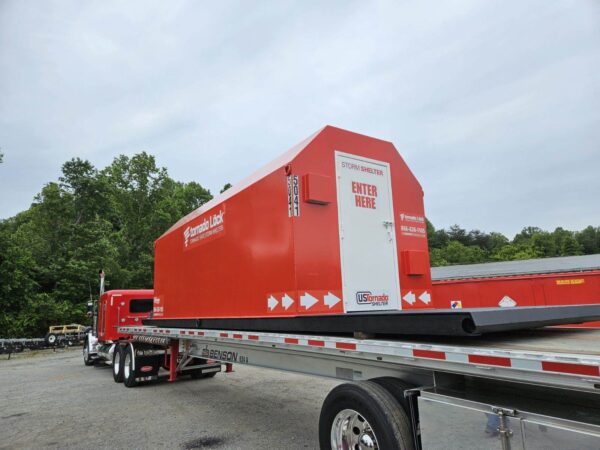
<point x="552" y="357"/>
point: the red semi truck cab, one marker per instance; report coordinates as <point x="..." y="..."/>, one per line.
<point x="120" y="308"/>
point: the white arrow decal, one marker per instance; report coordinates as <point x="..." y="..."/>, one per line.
<point x="409" y="298"/>
<point x="287" y="301"/>
<point x="308" y="301"/>
<point x="507" y="302"/>
<point x="425" y="297"/>
<point x="272" y="302"/>
<point x="331" y="300"/>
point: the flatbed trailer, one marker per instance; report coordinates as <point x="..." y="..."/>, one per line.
<point x="523" y="390"/>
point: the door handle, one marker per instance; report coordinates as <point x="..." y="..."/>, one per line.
<point x="389" y="226"/>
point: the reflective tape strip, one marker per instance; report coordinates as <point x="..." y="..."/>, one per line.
<point x="430" y="354"/>
<point x="490" y="360"/>
<point x="577" y="369"/>
<point x="316" y="343"/>
<point x="291" y="340"/>
<point x="253" y="337"/>
<point x="237" y="336"/>
<point x="345" y="345"/>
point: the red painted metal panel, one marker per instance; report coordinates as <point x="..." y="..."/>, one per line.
<point x="574" y="288"/>
<point x="318" y="189"/>
<point x="242" y="255"/>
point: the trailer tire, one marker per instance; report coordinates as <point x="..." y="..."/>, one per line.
<point x="117" y="364"/>
<point x="87" y="359"/>
<point x="363" y="413"/>
<point x="51" y="339"/>
<point x="396" y="387"/>
<point x="128" y="367"/>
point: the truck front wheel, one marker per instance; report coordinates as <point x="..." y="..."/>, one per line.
<point x="363" y="415"/>
<point x="87" y="359"/>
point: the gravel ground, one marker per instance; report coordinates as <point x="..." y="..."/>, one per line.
<point x="51" y="400"/>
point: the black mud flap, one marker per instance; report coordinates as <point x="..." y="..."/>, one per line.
<point x="147" y="366"/>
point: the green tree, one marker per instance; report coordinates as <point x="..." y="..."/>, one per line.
<point x="589" y="240"/>
<point x="89" y="219"/>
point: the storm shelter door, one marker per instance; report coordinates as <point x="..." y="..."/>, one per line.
<point x="367" y="234"/>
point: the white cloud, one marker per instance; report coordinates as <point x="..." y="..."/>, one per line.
<point x="494" y="105"/>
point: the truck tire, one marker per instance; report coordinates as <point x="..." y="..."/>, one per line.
<point x="87" y="359"/>
<point x="363" y="415"/>
<point x="128" y="367"/>
<point x="117" y="364"/>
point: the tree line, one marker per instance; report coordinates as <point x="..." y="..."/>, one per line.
<point x="459" y="246"/>
<point x="109" y="218"/>
<point x="88" y="219"/>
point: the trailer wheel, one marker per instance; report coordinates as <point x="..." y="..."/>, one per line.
<point x="51" y="339"/>
<point x="396" y="387"/>
<point x="117" y="364"/>
<point x="87" y="359"/>
<point x="361" y="416"/>
<point x="128" y="367"/>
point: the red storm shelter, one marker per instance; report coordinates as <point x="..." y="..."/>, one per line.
<point x="573" y="280"/>
<point x="122" y="308"/>
<point x="334" y="225"/>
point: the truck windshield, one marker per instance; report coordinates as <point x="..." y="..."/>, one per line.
<point x="140" y="305"/>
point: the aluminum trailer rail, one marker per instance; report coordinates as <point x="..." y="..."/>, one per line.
<point x="534" y="389"/>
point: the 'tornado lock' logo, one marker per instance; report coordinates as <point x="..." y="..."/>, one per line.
<point x="203" y="229"/>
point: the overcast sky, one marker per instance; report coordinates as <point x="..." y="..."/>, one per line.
<point x="495" y="106"/>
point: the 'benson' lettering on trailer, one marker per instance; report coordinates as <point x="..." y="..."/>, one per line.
<point x="219" y="355"/>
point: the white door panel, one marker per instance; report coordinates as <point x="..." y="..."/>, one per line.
<point x="367" y="234"/>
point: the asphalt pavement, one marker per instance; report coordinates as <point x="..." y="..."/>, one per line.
<point x="51" y="400"/>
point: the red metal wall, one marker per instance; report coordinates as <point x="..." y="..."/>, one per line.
<point x="526" y="290"/>
<point x="259" y="251"/>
